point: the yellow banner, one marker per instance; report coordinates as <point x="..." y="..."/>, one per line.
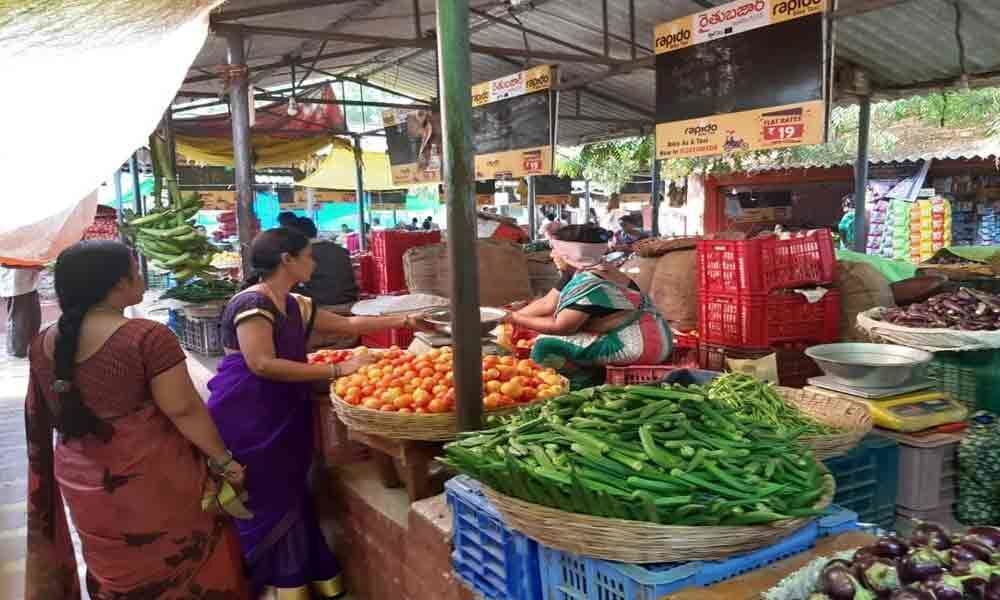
<point x="536" y="79"/>
<point x="553" y="199"/>
<point x="759" y="129"/>
<point x="768" y="214"/>
<point x="730" y="19"/>
<point x="514" y="163"/>
<point x="412" y="174"/>
<point x="324" y="196"/>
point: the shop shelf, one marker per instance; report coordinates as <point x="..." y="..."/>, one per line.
<point x="763" y="264"/>
<point x="928" y="477"/>
<point x="972" y="378"/>
<point x="794" y="367"/>
<point x="762" y="320"/>
<point x="867" y="479"/>
<point x="570" y="577"/>
<point x="496" y="561"/>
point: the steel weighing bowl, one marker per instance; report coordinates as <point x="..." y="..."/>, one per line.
<point x="489" y="318"/>
<point x="870" y="365"/>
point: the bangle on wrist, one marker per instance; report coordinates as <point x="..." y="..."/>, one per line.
<point x="219" y="466"/>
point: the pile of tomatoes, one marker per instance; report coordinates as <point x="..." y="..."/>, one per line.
<point x="330" y="357"/>
<point x="404" y="382"/>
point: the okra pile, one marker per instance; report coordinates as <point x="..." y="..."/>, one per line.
<point x="666" y="455"/>
<point x="760" y="402"/>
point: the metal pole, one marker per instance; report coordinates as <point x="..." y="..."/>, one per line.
<point x="607" y="40"/>
<point x="133" y="167"/>
<point x="586" y="201"/>
<point x="654" y="184"/>
<point x="861" y="175"/>
<point x="532" y="208"/>
<point x="460" y="189"/>
<point x="239" y="108"/>
<point x="118" y="204"/>
<point x="359" y="192"/>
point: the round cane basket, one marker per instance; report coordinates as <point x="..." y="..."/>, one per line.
<point x="639" y="541"/>
<point x="925" y="338"/>
<point x="429" y="427"/>
<point x="850" y="417"/>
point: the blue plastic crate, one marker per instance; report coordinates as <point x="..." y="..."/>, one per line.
<point x="496" y="561"/>
<point x="569" y="577"/>
<point x="837" y="520"/>
<point x="866" y="479"/>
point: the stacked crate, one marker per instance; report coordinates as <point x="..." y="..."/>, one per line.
<point x="747" y="306"/>
<point x="388" y="247"/>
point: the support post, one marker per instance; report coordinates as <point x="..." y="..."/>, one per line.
<point x="359" y="192"/>
<point x="532" y="208"/>
<point x="133" y="167"/>
<point x="604" y="22"/>
<point x="239" y="109"/>
<point x="586" y="201"/>
<point x="654" y="184"/>
<point x="119" y="212"/>
<point x="459" y="187"/>
<point x="861" y="176"/>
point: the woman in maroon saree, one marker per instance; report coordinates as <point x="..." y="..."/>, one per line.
<point x="130" y="457"/>
<point x="261" y="402"/>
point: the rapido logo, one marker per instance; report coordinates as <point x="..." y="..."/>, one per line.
<point x="789" y="7"/>
<point x="540" y="82"/>
<point x="705" y="129"/>
<point x="674" y="39"/>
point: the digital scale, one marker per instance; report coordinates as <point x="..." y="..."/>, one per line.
<point x="913" y="407"/>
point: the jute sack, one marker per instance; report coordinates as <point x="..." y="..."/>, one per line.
<point x="542" y="271"/>
<point x="674" y="288"/>
<point x="503" y="272"/>
<point x="862" y="287"/>
<point x="641" y="271"/>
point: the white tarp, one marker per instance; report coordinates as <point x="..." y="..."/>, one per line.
<point x="84" y="85"/>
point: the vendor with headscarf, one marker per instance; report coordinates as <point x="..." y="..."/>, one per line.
<point x="595" y="316"/>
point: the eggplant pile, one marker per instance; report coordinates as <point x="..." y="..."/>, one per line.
<point x="967" y="309"/>
<point x="931" y="565"/>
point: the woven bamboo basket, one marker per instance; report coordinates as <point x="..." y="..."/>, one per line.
<point x="430" y="427"/>
<point x="851" y="417"/>
<point x="626" y="541"/>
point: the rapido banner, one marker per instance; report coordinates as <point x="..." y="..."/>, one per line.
<point x="748" y="75"/>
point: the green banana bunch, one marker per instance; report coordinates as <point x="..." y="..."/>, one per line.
<point x="167" y="237"/>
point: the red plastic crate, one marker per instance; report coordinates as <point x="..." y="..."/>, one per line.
<point x="763" y="264"/>
<point x="364" y="272"/>
<point x="636" y="374"/>
<point x="388" y="279"/>
<point x="388" y="337"/>
<point x="391" y="244"/>
<point x="794" y="367"/>
<point x="685" y="351"/>
<point x="760" y="321"/>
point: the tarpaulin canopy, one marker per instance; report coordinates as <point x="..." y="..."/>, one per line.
<point x="337" y="172"/>
<point x="278" y="139"/>
<point x="58" y="61"/>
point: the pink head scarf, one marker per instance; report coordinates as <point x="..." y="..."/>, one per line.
<point x="580" y="255"/>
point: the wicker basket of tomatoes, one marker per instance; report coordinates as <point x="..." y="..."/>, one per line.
<point x="411" y="397"/>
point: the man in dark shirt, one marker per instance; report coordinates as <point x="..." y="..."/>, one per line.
<point x="333" y="281"/>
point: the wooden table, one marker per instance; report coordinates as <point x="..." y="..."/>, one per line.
<point x="751" y="585"/>
<point x="403" y="462"/>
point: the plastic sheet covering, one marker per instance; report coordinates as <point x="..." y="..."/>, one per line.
<point x="85" y="82"/>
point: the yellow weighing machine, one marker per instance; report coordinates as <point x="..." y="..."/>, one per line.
<point x="913" y="407"/>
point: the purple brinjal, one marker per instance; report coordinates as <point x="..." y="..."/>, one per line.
<point x="920" y="564"/>
<point x="930" y="535"/>
<point x="838" y="583"/>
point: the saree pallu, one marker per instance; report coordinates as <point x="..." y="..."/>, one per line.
<point x="643" y="339"/>
<point x="268" y="426"/>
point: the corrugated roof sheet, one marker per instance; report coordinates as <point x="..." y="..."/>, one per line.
<point x="910" y="43"/>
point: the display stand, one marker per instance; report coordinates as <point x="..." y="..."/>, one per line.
<point x="403" y="463"/>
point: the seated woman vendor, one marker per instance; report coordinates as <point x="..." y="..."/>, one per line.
<point x="595" y="316"/>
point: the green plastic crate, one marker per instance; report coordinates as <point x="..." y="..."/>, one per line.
<point x="972" y="378"/>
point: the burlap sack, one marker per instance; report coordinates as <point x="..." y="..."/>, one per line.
<point x="542" y="271"/>
<point x="674" y="288"/>
<point x="861" y="287"/>
<point x="503" y="272"/>
<point x="641" y="271"/>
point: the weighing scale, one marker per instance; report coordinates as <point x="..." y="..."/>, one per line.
<point x="424" y="342"/>
<point x="913" y="407"/>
